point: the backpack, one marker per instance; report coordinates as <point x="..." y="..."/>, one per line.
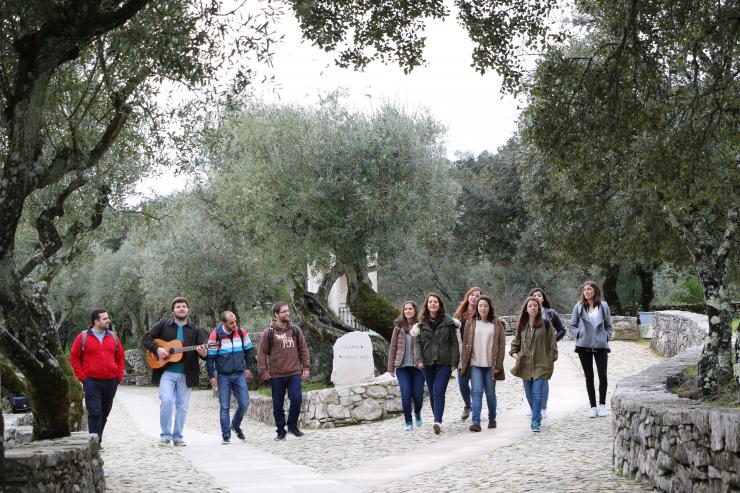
<point x="19" y="404"/>
<point x="84" y="342"/>
<point x="271" y="335"/>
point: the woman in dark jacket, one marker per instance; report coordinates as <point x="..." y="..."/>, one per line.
<point x="548" y="313"/>
<point x="401" y="364"/>
<point x="482" y="359"/>
<point x="436" y="352"/>
<point x="591" y="326"/>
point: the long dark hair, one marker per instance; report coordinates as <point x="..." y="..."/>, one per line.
<point x="491" y="311"/>
<point x="524" y="316"/>
<point x="401" y="320"/>
<point x="597" y="294"/>
<point x="545" y="299"/>
<point x="462" y="308"/>
<point x="424" y="315"/>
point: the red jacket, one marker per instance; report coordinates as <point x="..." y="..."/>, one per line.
<point x="99" y="360"/>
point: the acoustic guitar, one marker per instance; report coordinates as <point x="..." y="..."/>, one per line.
<point x="175" y="348"/>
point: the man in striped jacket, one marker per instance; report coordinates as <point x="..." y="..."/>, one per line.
<point x="229" y="365"/>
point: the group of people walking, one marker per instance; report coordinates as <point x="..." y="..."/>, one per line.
<point x="429" y="345"/>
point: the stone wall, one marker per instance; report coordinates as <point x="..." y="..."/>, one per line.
<point x="676" y="444"/>
<point x="337" y="406"/>
<point x="65" y="464"/>
<point x="675" y="331"/>
<point x="18" y="429"/>
<point x="625" y="328"/>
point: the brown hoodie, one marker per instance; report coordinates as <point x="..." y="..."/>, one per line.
<point x="288" y="356"/>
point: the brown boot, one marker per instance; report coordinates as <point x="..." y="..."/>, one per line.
<point x="475" y="427"/>
<point x="491" y="423"/>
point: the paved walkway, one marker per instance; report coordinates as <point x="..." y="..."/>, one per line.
<point x="572" y="453"/>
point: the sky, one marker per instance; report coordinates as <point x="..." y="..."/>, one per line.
<point x="468" y="104"/>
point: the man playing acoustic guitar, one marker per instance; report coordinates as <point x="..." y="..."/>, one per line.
<point x="175" y="379"/>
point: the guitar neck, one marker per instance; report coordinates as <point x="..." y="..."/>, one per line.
<point x="184" y="349"/>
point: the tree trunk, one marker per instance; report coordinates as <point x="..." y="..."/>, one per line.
<point x="611" y="272"/>
<point x="368" y="307"/>
<point x="645" y="272"/>
<point x="322" y="328"/>
<point x="715" y="365"/>
<point x="2" y="453"/>
<point x="29" y="339"/>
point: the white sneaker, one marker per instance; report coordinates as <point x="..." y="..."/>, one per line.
<point x="592" y="413"/>
<point x="544" y="413"/>
<point x="437" y="428"/>
<point x="602" y="410"/>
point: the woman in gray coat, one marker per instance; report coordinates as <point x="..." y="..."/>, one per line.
<point x="591" y="326"/>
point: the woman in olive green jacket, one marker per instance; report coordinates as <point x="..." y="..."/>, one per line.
<point x="535" y="348"/>
<point x="436" y="352"/>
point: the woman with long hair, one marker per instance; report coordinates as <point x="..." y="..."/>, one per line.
<point x="436" y="352"/>
<point x="548" y="313"/>
<point x="591" y="326"/>
<point x="466" y="311"/>
<point x="482" y="359"/>
<point x="535" y="349"/>
<point x="401" y="364"/>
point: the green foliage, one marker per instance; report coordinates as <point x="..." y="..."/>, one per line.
<point x="502" y="32"/>
<point x="691" y="292"/>
<point x="327" y="180"/>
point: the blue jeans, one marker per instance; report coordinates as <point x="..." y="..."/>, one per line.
<point x="437" y="377"/>
<point x="533" y="390"/>
<point x="236" y="383"/>
<point x="482" y="380"/>
<point x="411" y="384"/>
<point x="463" y="383"/>
<point x="174" y="394"/>
<point x="545" y="394"/>
<point x="279" y="385"/>
<point x="99" y="394"/>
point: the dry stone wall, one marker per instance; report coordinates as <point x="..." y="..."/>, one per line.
<point x="676" y="444"/>
<point x="66" y="464"/>
<point x="337" y="406"/>
<point x="675" y="331"/>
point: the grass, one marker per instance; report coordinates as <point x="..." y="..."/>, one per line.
<point x="735" y="324"/>
<point x="687" y="385"/>
<point x="307" y="387"/>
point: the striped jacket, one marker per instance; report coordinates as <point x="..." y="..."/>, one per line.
<point x="228" y="353"/>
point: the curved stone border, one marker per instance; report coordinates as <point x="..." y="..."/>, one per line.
<point x="675" y="331"/>
<point x="337" y="406"/>
<point x="72" y="463"/>
<point x="676" y="444"/>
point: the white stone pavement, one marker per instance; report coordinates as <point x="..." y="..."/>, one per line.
<point x="379" y="456"/>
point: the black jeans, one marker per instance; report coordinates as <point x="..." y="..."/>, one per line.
<point x="292" y="385"/>
<point x="601" y="357"/>
<point x="99" y="394"/>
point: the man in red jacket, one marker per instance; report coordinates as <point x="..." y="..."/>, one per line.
<point x="99" y="364"/>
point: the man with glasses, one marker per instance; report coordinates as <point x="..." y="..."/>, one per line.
<point x="283" y="359"/>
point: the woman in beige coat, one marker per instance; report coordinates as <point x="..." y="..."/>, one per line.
<point x="482" y="359"/>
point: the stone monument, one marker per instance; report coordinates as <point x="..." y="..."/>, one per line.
<point x="353" y="359"/>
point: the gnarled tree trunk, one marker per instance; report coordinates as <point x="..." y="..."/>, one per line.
<point x="322" y="328"/>
<point x="29" y="339"/>
<point x="645" y="272"/>
<point x="372" y="310"/>
<point x="611" y="272"/>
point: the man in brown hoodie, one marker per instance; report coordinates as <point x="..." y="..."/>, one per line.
<point x="283" y="359"/>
